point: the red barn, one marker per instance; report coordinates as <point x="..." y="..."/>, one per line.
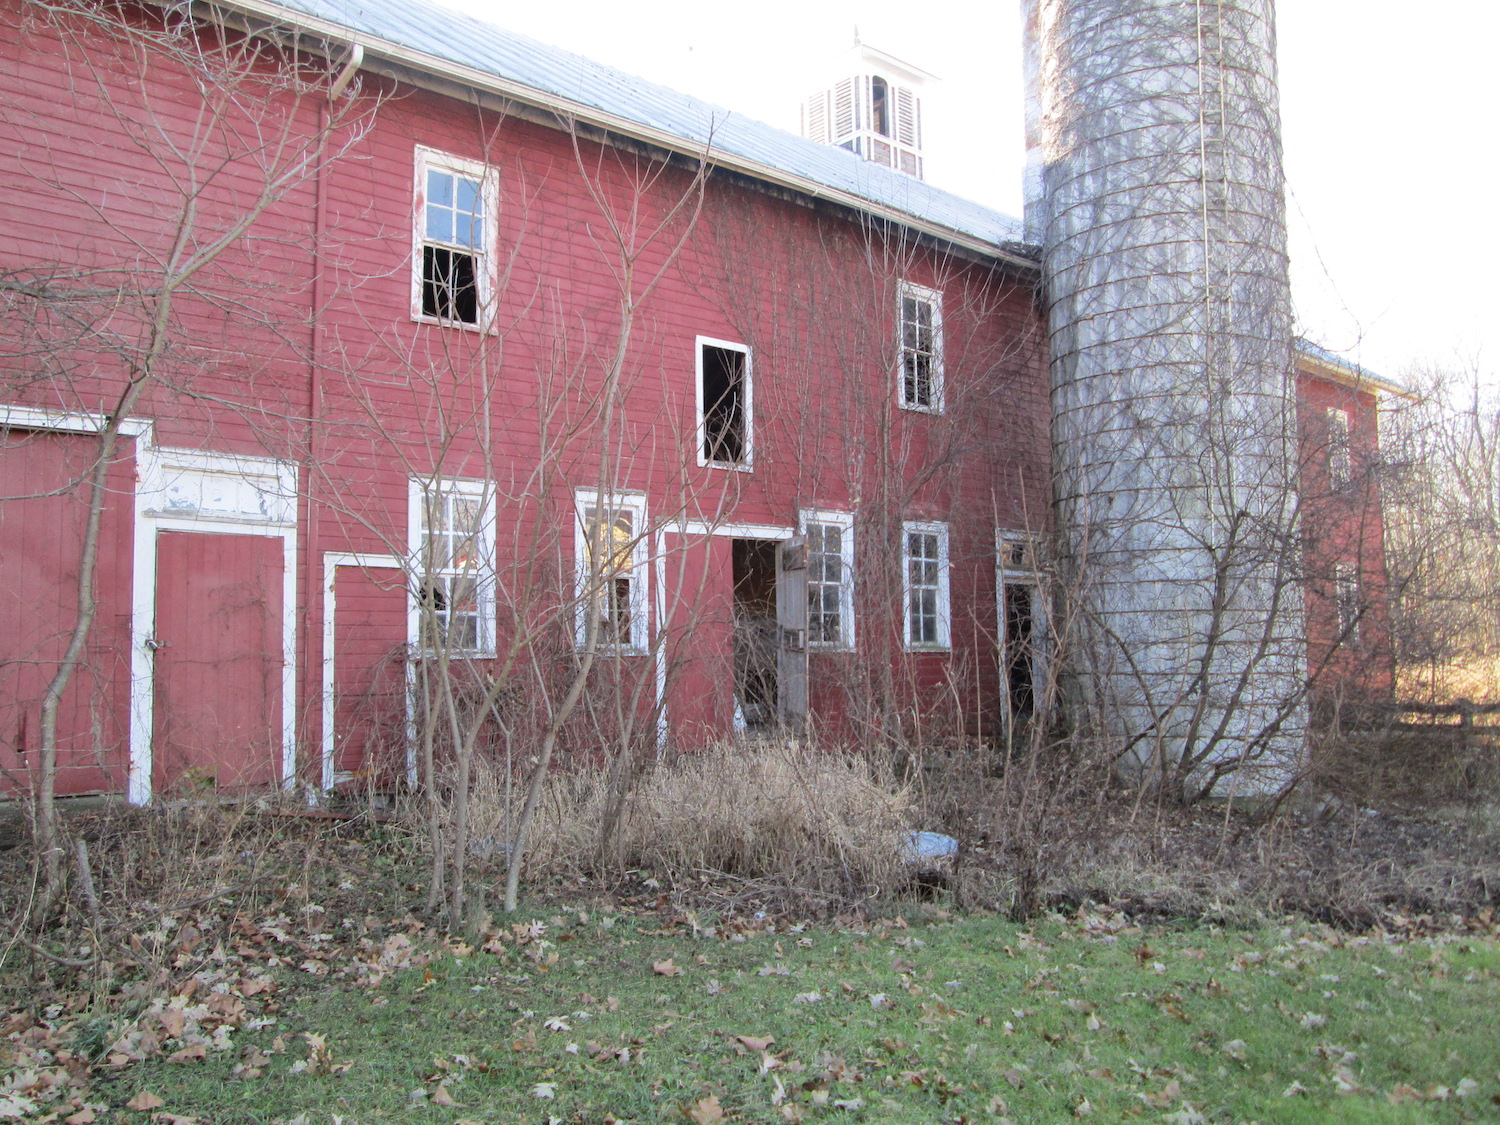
<point x="374" y="378"/>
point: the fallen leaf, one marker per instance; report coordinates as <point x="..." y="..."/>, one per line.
<point x="145" y="1100"/>
<point x="544" y="1090"/>
<point x="189" y="1053"/>
<point x="441" y="1097"/>
<point x="756" y="1042"/>
<point x="665" y="968"/>
<point x="707" y="1111"/>
<point x="84" y="1116"/>
<point x="1236" y="1049"/>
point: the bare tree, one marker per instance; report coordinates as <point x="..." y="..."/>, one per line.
<point x="1442" y="486"/>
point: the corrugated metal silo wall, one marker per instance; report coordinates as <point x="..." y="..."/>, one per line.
<point x="1155" y="187"/>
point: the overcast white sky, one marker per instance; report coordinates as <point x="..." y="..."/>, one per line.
<point x="1389" y="119"/>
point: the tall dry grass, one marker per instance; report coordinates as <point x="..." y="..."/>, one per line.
<point x="783" y="814"/>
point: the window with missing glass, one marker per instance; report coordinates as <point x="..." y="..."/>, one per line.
<point x="921" y="347"/>
<point x="724" y="404"/>
<point x="453" y="256"/>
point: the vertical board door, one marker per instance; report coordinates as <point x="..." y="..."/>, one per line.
<point x="369" y="713"/>
<point x="218" y="662"/>
<point x="43" y="512"/>
<point x="791" y="621"/>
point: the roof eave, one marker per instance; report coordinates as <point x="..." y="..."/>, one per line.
<point x="1351" y="377"/>
<point x="567" y="108"/>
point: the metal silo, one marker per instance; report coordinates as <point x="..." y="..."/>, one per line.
<point x="1154" y="186"/>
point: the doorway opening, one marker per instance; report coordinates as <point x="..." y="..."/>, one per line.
<point x="1020" y="650"/>
<point x="755" y="634"/>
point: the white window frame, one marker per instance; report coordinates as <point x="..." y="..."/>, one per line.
<point x="586" y="501"/>
<point x="1340" y="425"/>
<point x="418" y="490"/>
<point x="485" y="278"/>
<point x="747" y="460"/>
<point x="908" y="290"/>
<point x="944" y="640"/>
<point x="1347" y="596"/>
<point x="844" y="521"/>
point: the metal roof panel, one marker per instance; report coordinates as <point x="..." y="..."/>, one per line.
<point x="454" y="37"/>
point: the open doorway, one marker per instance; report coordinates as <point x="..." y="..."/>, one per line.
<point x="755" y="634"/>
<point x="1019" y="650"/>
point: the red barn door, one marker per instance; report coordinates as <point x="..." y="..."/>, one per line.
<point x="369" y="710"/>
<point x="218" y="707"/>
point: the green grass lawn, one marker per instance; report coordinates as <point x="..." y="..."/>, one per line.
<point x="597" y="1017"/>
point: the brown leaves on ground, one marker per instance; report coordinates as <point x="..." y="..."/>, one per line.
<point x="706" y="1111"/>
<point x="145" y="1100"/>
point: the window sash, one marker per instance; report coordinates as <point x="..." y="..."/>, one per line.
<point x="452" y="276"/>
<point x="925" y="585"/>
<point x="453" y="551"/>
<point x="610" y="557"/>
<point x="829" y="539"/>
<point x="920" y="340"/>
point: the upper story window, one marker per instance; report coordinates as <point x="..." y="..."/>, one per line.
<point x="830" y="578"/>
<point x="452" y="536"/>
<point x="1340" y="459"/>
<point x="453" y="253"/>
<point x="880" y="106"/>
<point x="610" y="557"/>
<point x="724" y="404"/>
<point x="921" y="370"/>
<point x="924" y="558"/>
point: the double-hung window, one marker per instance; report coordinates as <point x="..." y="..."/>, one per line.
<point x="921" y="347"/>
<point x="830" y="579"/>
<point x="454" y="240"/>
<point x="924" y="561"/>
<point x="611" y="553"/>
<point x="452" y="535"/>
<point x="1340" y="460"/>
<point x="724" y="403"/>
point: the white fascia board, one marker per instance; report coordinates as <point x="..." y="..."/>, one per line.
<point x="614" y="123"/>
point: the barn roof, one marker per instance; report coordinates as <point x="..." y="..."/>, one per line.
<point x="424" y="36"/>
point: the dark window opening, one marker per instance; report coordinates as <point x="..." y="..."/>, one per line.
<point x="918" y="353"/>
<point x="724" y="389"/>
<point x="1020" y="622"/>
<point x="880" y="97"/>
<point x="449" y="287"/>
